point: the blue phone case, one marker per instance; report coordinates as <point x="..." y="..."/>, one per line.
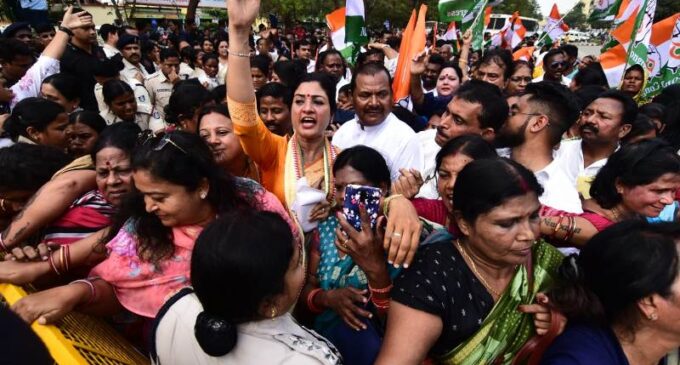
<point x="366" y="195"/>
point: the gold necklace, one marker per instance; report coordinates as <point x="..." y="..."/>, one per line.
<point x="474" y="269"/>
<point x="615" y="213"/>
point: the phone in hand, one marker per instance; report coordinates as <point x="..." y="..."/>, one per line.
<point x="359" y="194"/>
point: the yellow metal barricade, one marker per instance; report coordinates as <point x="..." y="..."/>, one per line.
<point x="79" y="338"/>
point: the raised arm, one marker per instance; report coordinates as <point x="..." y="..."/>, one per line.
<point x="242" y="14"/>
<point x="70" y="21"/>
<point x="572" y="231"/>
<point x="417" y="69"/>
<point x="48" y="204"/>
<point x="464" y="55"/>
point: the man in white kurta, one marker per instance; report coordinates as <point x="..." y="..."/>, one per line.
<point x="375" y="126"/>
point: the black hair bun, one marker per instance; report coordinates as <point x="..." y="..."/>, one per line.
<point x="216" y="336"/>
<point x="570" y="269"/>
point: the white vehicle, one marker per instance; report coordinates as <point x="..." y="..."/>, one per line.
<point x="498" y="21"/>
<point x="577" y="36"/>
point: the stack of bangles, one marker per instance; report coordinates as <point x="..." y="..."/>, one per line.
<point x="569" y="227"/>
<point x="62" y="263"/>
<point x="381" y="304"/>
<point x="93" y="289"/>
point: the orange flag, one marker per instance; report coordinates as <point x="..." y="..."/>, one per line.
<point x="412" y="43"/>
<point x="524" y="54"/>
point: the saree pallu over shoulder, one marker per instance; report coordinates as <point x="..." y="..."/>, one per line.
<point x="505" y="330"/>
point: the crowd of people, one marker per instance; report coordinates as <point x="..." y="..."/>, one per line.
<point x="241" y="196"/>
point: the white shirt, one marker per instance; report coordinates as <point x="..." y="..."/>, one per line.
<point x="110" y="50"/>
<point x="29" y="85"/>
<point x="430" y="149"/>
<point x="395" y="141"/>
<point x="130" y="70"/>
<point x="311" y="67"/>
<point x="569" y="158"/>
<point x="269" y="341"/>
<point x="558" y="190"/>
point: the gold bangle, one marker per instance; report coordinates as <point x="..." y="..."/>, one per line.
<point x="386" y="202"/>
<point x="238" y="54"/>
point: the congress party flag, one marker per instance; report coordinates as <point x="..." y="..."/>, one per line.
<point x="642" y="33"/>
<point x="451" y="32"/>
<point x="473" y="20"/>
<point x="515" y="33"/>
<point x="355" y="22"/>
<point x="524" y="54"/>
<point x="603" y="10"/>
<point x="663" y="59"/>
<point x="455" y="10"/>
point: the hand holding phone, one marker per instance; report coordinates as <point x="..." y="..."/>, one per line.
<point x="366" y="195"/>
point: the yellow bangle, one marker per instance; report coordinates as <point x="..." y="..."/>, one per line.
<point x="386" y="202"/>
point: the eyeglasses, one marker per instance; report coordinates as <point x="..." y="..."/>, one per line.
<point x="558" y="64"/>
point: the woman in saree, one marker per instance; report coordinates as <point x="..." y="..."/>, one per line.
<point x="469" y="300"/>
<point x="638" y="181"/>
<point x="308" y="154"/>
<point x="178" y="190"/>
<point x="349" y="268"/>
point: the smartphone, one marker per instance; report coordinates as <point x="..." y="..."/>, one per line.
<point x="366" y="195"/>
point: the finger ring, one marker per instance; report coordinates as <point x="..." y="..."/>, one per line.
<point x="395" y="234"/>
<point x="344" y="243"/>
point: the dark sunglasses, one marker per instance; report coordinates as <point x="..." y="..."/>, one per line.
<point x="557" y="64"/>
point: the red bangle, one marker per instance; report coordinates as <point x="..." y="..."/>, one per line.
<point x="310" y="300"/>
<point x="384" y="290"/>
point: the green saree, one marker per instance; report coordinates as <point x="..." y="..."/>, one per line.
<point x="505" y="330"/>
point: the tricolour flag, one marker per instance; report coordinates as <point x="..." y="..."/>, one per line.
<point x="355" y="22"/>
<point x="633" y="38"/>
<point x="603" y="10"/>
<point x="515" y="33"/>
<point x="336" y="23"/>
<point x="451" y="32"/>
<point x="555" y="26"/>
<point x="412" y="43"/>
<point x="663" y="60"/>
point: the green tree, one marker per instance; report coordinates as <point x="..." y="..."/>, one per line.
<point x="576" y="18"/>
<point x="528" y="8"/>
<point x="666" y="8"/>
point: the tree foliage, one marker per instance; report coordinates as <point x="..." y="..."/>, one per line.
<point x="528" y="8"/>
<point x="577" y="18"/>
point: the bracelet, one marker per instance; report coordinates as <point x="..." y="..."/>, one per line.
<point x="66" y="30"/>
<point x="238" y="54"/>
<point x="386" y="202"/>
<point x="93" y="289"/>
<point x="50" y="259"/>
<point x="310" y="300"/>
<point x="384" y="290"/>
<point x="2" y="205"/>
<point x="381" y="304"/>
<point x="2" y="244"/>
<point x="557" y="228"/>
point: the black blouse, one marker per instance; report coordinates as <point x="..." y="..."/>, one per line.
<point x="439" y="282"/>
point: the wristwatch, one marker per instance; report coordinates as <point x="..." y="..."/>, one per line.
<point x="66" y="30"/>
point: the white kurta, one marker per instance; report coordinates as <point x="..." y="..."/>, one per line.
<point x="395" y="140"/>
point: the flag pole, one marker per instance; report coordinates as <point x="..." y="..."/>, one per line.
<point x="555" y="25"/>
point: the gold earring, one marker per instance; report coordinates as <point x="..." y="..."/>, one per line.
<point x="653" y="317"/>
<point x="203" y="194"/>
<point x="273" y="313"/>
